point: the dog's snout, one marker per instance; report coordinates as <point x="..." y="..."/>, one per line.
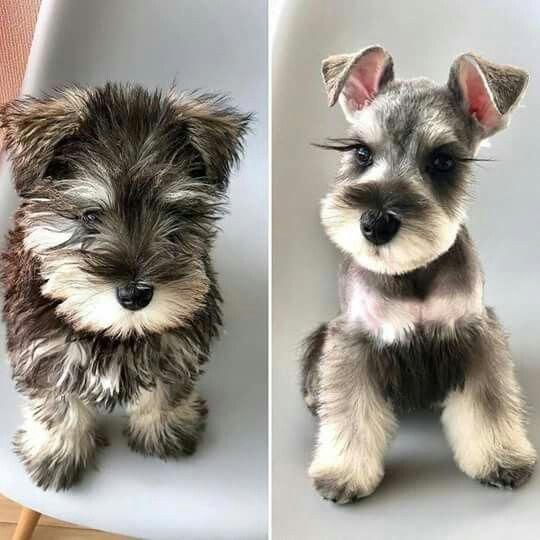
<point x="379" y="227"/>
<point x="135" y="295"/>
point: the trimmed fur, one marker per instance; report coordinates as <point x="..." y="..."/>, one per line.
<point x="413" y="331"/>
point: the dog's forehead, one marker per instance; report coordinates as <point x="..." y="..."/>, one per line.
<point x="106" y="184"/>
<point x="412" y="113"/>
<point x="127" y="148"/>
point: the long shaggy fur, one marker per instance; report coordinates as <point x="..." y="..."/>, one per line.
<point x="119" y="185"/>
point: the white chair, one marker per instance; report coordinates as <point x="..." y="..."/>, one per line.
<point x="423" y="495"/>
<point x="221" y="491"/>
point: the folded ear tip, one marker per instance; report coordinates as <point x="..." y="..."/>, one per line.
<point x="326" y="66"/>
<point x="376" y="48"/>
<point x="467" y="57"/>
<point x="525" y="76"/>
<point x="488" y="91"/>
<point x="325" y="62"/>
<point x="478" y="60"/>
<point x="327" y="77"/>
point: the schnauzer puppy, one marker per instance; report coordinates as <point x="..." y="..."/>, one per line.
<point x="110" y="293"/>
<point x="413" y="330"/>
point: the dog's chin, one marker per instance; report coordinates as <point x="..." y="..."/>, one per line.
<point x="385" y="262"/>
<point x="405" y="253"/>
<point x="89" y="304"/>
<point x="102" y="314"/>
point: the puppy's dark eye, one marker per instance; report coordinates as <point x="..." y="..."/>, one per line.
<point x="441" y="162"/>
<point x="363" y="155"/>
<point x="90" y="218"/>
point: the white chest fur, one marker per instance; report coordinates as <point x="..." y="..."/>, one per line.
<point x="391" y="319"/>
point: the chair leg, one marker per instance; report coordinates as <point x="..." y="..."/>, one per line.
<point x="27" y="523"/>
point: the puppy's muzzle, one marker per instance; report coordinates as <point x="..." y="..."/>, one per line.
<point x="379" y="227"/>
<point x="135" y="295"/>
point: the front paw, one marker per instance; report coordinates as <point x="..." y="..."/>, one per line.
<point x="58" y="464"/>
<point x="508" y="477"/>
<point x="168" y="434"/>
<point x="341" y="487"/>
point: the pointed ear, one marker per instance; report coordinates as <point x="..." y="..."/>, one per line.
<point x="355" y="79"/>
<point x="34" y="127"/>
<point x="217" y="130"/>
<point x="486" y="91"/>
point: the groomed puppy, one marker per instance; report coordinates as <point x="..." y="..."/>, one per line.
<point x="413" y="331"/>
<point x="110" y="293"/>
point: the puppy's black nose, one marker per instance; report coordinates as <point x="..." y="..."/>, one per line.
<point x="135" y="295"/>
<point x="379" y="227"/>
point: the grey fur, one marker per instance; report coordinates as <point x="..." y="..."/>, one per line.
<point x="412" y="332"/>
<point x="313" y="349"/>
<point x="174" y="438"/>
<point x="506" y="82"/>
<point x="57" y="469"/>
<point x="118" y="185"/>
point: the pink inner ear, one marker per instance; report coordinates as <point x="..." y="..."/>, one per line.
<point x="478" y="97"/>
<point x="363" y="82"/>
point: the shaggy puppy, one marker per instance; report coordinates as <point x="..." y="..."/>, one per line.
<point x="110" y="293"/>
<point x="413" y="330"/>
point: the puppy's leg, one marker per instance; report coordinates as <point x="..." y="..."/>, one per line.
<point x="58" y="440"/>
<point x="311" y="358"/>
<point x="485" y="422"/>
<point x="166" y="421"/>
<point x="356" y="422"/>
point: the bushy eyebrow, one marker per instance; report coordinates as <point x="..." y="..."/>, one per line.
<point x="340" y="145"/>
